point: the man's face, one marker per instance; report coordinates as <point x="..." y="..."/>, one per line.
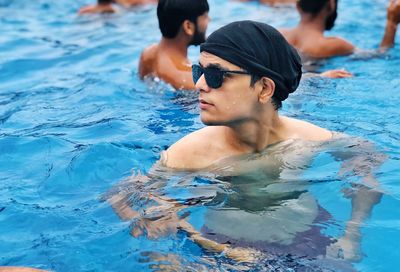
<point x="201" y="27"/>
<point x="235" y="101"/>
<point x="330" y="20"/>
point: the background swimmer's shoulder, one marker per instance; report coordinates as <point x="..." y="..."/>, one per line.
<point x="148" y="60"/>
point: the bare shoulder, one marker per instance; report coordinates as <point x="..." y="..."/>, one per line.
<point x="288" y="34"/>
<point x="174" y="69"/>
<point x="307" y="131"/>
<point x="194" y="151"/>
<point x="166" y="65"/>
<point x="335" y="46"/>
<point x="147" y="60"/>
<point x="284" y="31"/>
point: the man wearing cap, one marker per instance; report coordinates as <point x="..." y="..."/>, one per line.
<point x="246" y="70"/>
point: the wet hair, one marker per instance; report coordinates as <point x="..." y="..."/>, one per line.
<point x="172" y="13"/>
<point x="103" y="2"/>
<point x="313" y="6"/>
<point x="275" y="101"/>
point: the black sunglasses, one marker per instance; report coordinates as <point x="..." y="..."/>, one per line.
<point x="213" y="75"/>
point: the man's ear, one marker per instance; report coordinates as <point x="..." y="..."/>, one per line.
<point x="188" y="27"/>
<point x="332" y="5"/>
<point x="298" y="7"/>
<point x="267" y="89"/>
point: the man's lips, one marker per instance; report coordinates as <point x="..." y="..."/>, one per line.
<point x="204" y="104"/>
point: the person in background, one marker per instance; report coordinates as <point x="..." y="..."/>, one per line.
<point x="19" y="269"/>
<point x="105" y="6"/>
<point x="334" y="73"/>
<point x="130" y="3"/>
<point x="318" y="16"/>
<point x="273" y="2"/>
<point x="102" y="6"/>
<point x="182" y="23"/>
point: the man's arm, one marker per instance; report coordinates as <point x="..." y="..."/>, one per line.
<point x="337" y="73"/>
<point x="340" y="47"/>
<point x="393" y="19"/>
<point x="364" y="197"/>
<point x="163" y="219"/>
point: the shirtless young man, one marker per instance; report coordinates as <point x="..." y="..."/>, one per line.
<point x="317" y="16"/>
<point x="182" y="23"/>
<point x="242" y="86"/>
<point x="246" y="70"/>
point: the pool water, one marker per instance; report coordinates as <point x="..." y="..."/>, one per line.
<point x="75" y="121"/>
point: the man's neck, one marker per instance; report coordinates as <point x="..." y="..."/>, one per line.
<point x="255" y="135"/>
<point x="177" y="46"/>
<point x="312" y="23"/>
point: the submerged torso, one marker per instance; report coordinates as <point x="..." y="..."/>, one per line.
<point x="255" y="200"/>
<point x="263" y="205"/>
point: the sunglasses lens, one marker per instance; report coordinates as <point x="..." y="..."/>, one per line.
<point x="197" y="71"/>
<point x="214" y="78"/>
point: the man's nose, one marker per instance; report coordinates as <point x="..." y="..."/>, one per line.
<point x="201" y="84"/>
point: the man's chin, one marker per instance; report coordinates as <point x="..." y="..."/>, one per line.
<point x="209" y="122"/>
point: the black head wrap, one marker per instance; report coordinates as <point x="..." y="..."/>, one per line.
<point x="259" y="49"/>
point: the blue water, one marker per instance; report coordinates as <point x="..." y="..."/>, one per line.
<point x="75" y="120"/>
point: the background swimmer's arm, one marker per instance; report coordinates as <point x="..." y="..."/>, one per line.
<point x="393" y="19"/>
<point x="338" y="73"/>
